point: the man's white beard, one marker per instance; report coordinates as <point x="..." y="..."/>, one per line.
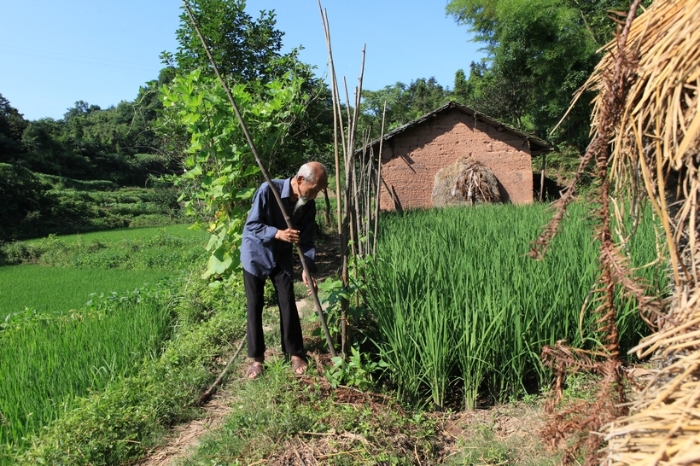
<point x="300" y="203"/>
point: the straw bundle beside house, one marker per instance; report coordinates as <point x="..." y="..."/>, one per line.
<point x="465" y="182"/>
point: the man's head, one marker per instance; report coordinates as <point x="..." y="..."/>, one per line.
<point x="309" y="181"/>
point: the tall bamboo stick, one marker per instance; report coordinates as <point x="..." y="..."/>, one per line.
<point x="337" y="117"/>
<point x="379" y="187"/>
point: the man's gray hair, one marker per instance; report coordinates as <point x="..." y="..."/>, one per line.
<point x="308" y="172"/>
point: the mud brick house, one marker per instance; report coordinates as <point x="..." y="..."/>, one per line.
<point x="412" y="154"/>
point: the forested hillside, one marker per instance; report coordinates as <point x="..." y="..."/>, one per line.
<point x="92" y="169"/>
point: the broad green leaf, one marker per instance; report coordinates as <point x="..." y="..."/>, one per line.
<point x="246" y="193"/>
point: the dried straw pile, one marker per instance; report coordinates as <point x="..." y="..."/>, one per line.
<point x="465" y="182"/>
<point x="656" y="151"/>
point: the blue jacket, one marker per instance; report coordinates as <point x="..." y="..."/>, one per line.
<point x="260" y="251"/>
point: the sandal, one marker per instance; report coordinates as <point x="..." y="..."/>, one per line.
<point x="299" y="365"/>
<point x="254" y="371"/>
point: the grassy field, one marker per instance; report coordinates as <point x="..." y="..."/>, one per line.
<point x="130" y="234"/>
<point x="56" y="274"/>
<point x="173" y="248"/>
<point x="56" y="289"/>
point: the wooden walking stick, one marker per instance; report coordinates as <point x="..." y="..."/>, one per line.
<point x="267" y="178"/>
<point x="206" y="396"/>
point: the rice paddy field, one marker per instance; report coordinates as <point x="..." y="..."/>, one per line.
<point x="59" y="289"/>
<point x="78" y="312"/>
<point x="60" y="273"/>
<point x="461" y="309"/>
<point x="47" y="361"/>
<point x="131" y="234"/>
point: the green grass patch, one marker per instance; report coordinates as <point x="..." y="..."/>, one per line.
<point x="174" y="248"/>
<point x="54" y="289"/>
<point x="131" y="234"/>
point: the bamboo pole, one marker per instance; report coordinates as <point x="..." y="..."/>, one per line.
<point x="327" y="210"/>
<point x="341" y="195"/>
<point x="379" y="187"/>
<point x="368" y="207"/>
<point x="348" y="173"/>
<point x="302" y="258"/>
<point x="351" y="149"/>
<point x="359" y="202"/>
<point x="337" y="118"/>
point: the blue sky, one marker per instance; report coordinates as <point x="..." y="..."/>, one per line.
<point x="54" y="53"/>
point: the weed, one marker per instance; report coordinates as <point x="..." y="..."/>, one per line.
<point x="581" y="386"/>
<point x="357" y="371"/>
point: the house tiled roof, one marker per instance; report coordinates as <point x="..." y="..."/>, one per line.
<point x="537" y="146"/>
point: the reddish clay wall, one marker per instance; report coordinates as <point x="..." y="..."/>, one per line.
<point x="411" y="159"/>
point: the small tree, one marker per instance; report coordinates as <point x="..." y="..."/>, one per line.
<point x="221" y="174"/>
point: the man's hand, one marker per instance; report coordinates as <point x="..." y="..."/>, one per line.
<point x="308" y="282"/>
<point x="288" y="235"/>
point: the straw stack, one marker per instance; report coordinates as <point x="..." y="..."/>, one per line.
<point x="465" y="182"/>
<point x="655" y="152"/>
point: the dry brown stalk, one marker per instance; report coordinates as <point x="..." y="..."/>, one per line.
<point x="656" y="153"/>
<point x="580" y="423"/>
<point x="576" y="425"/>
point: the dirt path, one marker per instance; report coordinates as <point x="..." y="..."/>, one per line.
<point x="184" y="438"/>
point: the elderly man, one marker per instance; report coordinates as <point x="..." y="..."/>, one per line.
<point x="268" y="250"/>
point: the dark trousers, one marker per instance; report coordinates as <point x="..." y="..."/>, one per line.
<point x="290" y="327"/>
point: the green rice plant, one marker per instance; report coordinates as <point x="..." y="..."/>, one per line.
<point x="58" y="290"/>
<point x="399" y="350"/>
<point x="169" y="248"/>
<point x="453" y="291"/>
<point x="47" y="360"/>
<point x="472" y="355"/>
<point x="437" y="343"/>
